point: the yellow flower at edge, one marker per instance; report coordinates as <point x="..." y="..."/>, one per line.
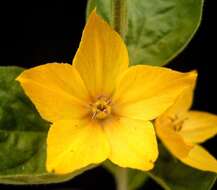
<point x="181" y="130"/>
<point x="99" y="107"/>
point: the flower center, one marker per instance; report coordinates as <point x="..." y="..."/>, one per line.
<point x="101" y="109"/>
<point x="177" y="122"/>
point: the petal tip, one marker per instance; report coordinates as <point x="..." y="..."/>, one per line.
<point x="19" y="78"/>
<point x="148" y="166"/>
<point x="193" y="74"/>
<point x="94" y="16"/>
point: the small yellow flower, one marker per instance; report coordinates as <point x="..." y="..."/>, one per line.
<point x="99" y="107"/>
<point x="181" y="130"/>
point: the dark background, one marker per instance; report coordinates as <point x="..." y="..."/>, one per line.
<point x="37" y="32"/>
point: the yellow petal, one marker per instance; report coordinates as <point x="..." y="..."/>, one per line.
<point x="133" y="143"/>
<point x="56" y="90"/>
<point x="199" y="158"/>
<point x="199" y="126"/>
<point x="184" y="101"/>
<point x="101" y="56"/>
<point x="171" y="139"/>
<point x="72" y="145"/>
<point x="145" y="92"/>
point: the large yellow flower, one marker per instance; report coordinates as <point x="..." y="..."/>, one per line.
<point x="181" y="131"/>
<point x="98" y="106"/>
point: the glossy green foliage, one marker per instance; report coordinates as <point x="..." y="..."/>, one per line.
<point x="158" y="29"/>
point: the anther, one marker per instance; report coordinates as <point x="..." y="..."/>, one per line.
<point x="177" y="122"/>
<point x="101" y="108"/>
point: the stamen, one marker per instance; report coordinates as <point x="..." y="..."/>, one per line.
<point x="101" y="109"/>
<point x="177" y="122"/>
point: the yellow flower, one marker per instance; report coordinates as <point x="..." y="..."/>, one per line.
<point x="99" y="107"/>
<point x="181" y="130"/>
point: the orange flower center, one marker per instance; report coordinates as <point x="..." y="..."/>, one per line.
<point x="101" y="108"/>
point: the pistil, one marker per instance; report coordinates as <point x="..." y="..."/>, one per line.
<point x="101" y="108"/>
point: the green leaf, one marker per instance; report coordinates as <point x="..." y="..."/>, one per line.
<point x="171" y="174"/>
<point x="135" y="179"/>
<point x="158" y="30"/>
<point x="90" y="6"/>
<point x="22" y="136"/>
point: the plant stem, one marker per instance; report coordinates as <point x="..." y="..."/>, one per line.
<point x="119" y="16"/>
<point x="120" y="25"/>
<point x="159" y="181"/>
<point x="121" y="178"/>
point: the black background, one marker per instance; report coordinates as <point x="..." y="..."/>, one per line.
<point x="38" y="32"/>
